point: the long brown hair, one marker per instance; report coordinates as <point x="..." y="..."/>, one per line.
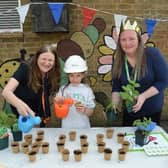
<point x="120" y="58"/>
<point x="53" y="76"/>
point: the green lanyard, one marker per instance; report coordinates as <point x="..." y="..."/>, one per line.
<point x="127" y="71"/>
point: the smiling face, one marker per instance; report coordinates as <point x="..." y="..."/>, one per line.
<point x="129" y="42"/>
<point x="75" y="78"/>
<point x="46" y="62"/>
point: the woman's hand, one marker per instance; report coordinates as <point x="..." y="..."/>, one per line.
<point x="140" y="101"/>
<point x="24" y="110"/>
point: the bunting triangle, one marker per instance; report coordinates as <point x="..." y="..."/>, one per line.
<point x="118" y="19"/>
<point x="56" y="10"/>
<point x="150" y="25"/>
<point x="87" y="15"/>
<point x="22" y="10"/>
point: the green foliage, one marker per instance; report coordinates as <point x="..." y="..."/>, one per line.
<point x="130" y="92"/>
<point x="143" y="124"/>
<point x="3" y="131"/>
<point x="15" y="127"/>
<point x="7" y="120"/>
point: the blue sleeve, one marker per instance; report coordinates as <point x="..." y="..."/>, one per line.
<point x="160" y="68"/>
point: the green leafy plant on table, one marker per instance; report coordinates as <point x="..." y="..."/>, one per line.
<point x="6" y="122"/>
<point x="144" y="127"/>
<point x="129" y="94"/>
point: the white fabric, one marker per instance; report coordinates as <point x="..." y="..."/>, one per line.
<point x="82" y="93"/>
<point x="92" y="159"/>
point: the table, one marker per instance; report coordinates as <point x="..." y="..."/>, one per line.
<point x="91" y="159"/>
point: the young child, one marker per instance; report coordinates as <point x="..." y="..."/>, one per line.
<point x="82" y="95"/>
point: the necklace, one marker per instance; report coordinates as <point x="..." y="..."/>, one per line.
<point x="127" y="71"/>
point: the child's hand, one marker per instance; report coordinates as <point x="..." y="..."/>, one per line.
<point x="80" y="107"/>
<point x="59" y="99"/>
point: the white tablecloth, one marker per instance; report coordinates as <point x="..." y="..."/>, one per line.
<point x="92" y="159"/>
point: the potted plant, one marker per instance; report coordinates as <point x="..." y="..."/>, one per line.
<point x="129" y="94"/>
<point x="106" y="102"/>
<point x="6" y="121"/>
<point x="144" y="127"/>
<point x="16" y="132"/>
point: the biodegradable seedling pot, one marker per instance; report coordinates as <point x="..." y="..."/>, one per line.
<point x="121" y="154"/>
<point x="83" y="139"/>
<point x="25" y="147"/>
<point x="107" y="154"/>
<point x="62" y="138"/>
<point x="40" y="134"/>
<point x="125" y="145"/>
<point x="15" y="147"/>
<point x="99" y="138"/>
<point x="60" y="146"/>
<point x="77" y="155"/>
<point x="120" y="138"/>
<point x="84" y="147"/>
<point x="28" y="138"/>
<point x="45" y="147"/>
<point x="65" y="154"/>
<point x="101" y="146"/>
<point x="32" y="156"/>
<point x="109" y="133"/>
<point x="72" y="135"/>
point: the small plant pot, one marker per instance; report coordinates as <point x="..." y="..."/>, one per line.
<point x="60" y="146"/>
<point x="17" y="135"/>
<point x="83" y="139"/>
<point x="28" y="138"/>
<point x="125" y="145"/>
<point x="109" y="132"/>
<point x="72" y="135"/>
<point x="101" y="146"/>
<point x="100" y="138"/>
<point x="65" y="155"/>
<point x="62" y="138"/>
<point x="32" y="156"/>
<point x="15" y="147"/>
<point x="111" y="116"/>
<point x="84" y="147"/>
<point x="77" y="155"/>
<point x="140" y="138"/>
<point x="121" y="154"/>
<point x="25" y="147"/>
<point x="130" y="106"/>
<point x="107" y="154"/>
<point x="40" y="134"/>
<point x="120" y="137"/>
<point x="4" y="142"/>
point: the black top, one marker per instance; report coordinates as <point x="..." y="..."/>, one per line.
<point x="25" y="93"/>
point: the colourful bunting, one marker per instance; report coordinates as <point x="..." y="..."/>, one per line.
<point x="87" y="15"/>
<point x="56" y="10"/>
<point x="22" y="10"/>
<point x="150" y="25"/>
<point x="118" y="19"/>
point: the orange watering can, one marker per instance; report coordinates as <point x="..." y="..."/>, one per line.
<point x="62" y="108"/>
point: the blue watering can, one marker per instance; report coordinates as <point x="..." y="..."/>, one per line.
<point x="26" y="123"/>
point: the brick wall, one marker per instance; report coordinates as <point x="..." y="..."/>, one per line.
<point x="12" y="43"/>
